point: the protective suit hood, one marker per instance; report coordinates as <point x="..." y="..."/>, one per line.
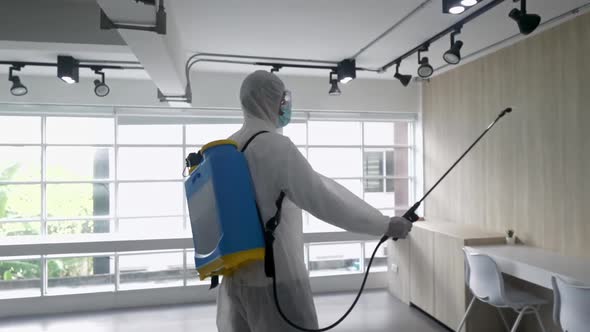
<point x="261" y="94"/>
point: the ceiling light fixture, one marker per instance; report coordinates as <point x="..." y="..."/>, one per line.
<point x="425" y="70"/>
<point x="469" y="3"/>
<point x="68" y="69"/>
<point x="456" y="10"/>
<point x="457" y="6"/>
<point x="18" y="89"/>
<point x="404" y="79"/>
<point x="334" y="89"/>
<point x="527" y="23"/>
<point x="346" y="70"/>
<point x="101" y="89"/>
<point x="453" y="55"/>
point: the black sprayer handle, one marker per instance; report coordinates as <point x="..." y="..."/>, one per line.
<point x="411" y="214"/>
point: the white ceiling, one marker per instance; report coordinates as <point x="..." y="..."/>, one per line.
<point x="322" y="29"/>
<point x="334" y="30"/>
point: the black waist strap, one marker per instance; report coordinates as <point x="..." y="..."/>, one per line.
<point x="269" y="237"/>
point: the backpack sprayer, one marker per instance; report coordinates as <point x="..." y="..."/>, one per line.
<point x="228" y="231"/>
<point x="410" y="215"/>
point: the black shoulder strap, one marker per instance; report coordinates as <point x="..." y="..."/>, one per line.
<point x="251" y="139"/>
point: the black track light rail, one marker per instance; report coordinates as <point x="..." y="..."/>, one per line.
<point x="51" y="64"/>
<point x="443" y="33"/>
<point x="277" y="66"/>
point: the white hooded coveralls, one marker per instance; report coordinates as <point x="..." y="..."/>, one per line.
<point x="245" y="299"/>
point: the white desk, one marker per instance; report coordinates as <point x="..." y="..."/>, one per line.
<point x="536" y="265"/>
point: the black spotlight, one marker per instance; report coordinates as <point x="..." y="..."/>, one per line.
<point x="527" y="23"/>
<point x="334" y="89"/>
<point x="101" y="89"/>
<point x="18" y="89"/>
<point x="425" y="70"/>
<point x="346" y="70"/>
<point x="453" y="55"/>
<point x="68" y="69"/>
<point x="404" y="79"/>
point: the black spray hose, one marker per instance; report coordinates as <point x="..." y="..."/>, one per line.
<point x="341" y="319"/>
<point x="410" y="215"/>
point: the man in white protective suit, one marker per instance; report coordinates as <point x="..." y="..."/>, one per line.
<point x="245" y="299"/>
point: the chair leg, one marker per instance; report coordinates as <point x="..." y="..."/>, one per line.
<point x="466" y="314"/>
<point x="536" y="310"/>
<point x="503" y="319"/>
<point x="518" y="319"/>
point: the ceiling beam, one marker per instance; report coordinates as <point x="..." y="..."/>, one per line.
<point x="160" y="55"/>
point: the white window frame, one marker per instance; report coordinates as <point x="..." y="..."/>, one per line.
<point x="115" y="244"/>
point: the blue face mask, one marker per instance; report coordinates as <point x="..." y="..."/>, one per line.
<point x="285" y="110"/>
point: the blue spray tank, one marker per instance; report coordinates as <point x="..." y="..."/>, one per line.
<point x="225" y="222"/>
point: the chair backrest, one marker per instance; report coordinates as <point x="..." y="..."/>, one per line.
<point x="484" y="278"/>
<point x="571" y="309"/>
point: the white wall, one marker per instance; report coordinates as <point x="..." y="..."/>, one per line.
<point x="214" y="90"/>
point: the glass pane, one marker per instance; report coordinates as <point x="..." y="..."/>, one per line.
<point x="192" y="276"/>
<point x="20" y="277"/>
<point x="78" y="200"/>
<point x="20" y="228"/>
<point x="20" y="163"/>
<point x="20" y="201"/>
<point x="297" y="132"/>
<point x="402" y="133"/>
<point x="140" y="271"/>
<point x="402" y="192"/>
<point x="150" y="199"/>
<point x="69" y="275"/>
<point x="205" y="133"/>
<point x="150" y="134"/>
<point x="334" y="259"/>
<point x="312" y="224"/>
<point x="150" y="163"/>
<point x="80" y="130"/>
<point x="374" y="185"/>
<point x="336" y="162"/>
<point x="378" y="133"/>
<point x="156" y="227"/>
<point x="79" y="163"/>
<point x="380" y="200"/>
<point x="401" y="162"/>
<point x="373" y="163"/>
<point x="20" y="129"/>
<point x="73" y="227"/>
<point x="334" y="133"/>
<point x="389" y="165"/>
<point x="389" y="185"/>
<point x="380" y="260"/>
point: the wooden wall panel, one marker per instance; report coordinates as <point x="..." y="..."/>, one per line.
<point x="532" y="172"/>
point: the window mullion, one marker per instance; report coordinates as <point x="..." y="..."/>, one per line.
<point x="43" y="175"/>
<point x="184" y="203"/>
<point x="115" y="210"/>
<point x="363" y="159"/>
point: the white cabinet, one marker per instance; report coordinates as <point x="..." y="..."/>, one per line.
<point x="431" y="272"/>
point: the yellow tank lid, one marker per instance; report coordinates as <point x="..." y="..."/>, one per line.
<point x="219" y="143"/>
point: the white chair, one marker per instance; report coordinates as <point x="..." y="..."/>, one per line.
<point x="485" y="281"/>
<point x="571" y="308"/>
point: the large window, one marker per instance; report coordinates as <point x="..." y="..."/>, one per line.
<point x="78" y="175"/>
